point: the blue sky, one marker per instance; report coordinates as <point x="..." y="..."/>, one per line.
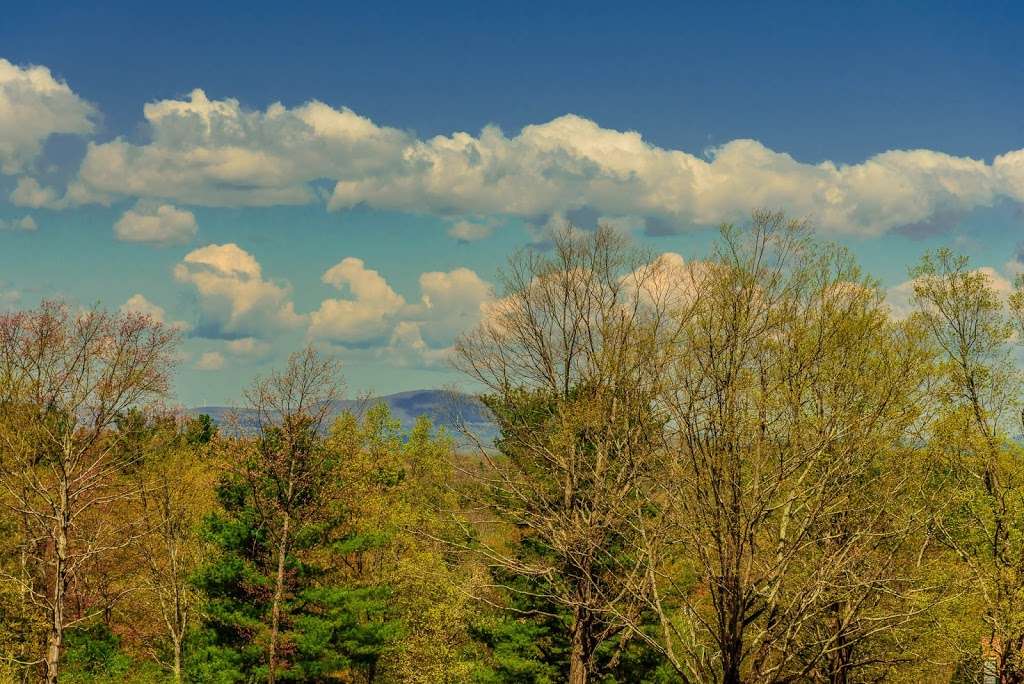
<point x="303" y="195"/>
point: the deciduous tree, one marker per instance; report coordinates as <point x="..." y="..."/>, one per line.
<point x="66" y="376"/>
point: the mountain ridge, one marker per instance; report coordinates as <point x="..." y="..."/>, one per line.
<point x="445" y="409"/>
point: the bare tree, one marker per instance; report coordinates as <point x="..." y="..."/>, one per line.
<point x="568" y="360"/>
<point x="65" y="378"/>
<point x="789" y="391"/>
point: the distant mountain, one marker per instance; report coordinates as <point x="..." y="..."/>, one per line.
<point x="449" y="410"/>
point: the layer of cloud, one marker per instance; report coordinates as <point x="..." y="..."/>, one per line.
<point x="233" y="298"/>
<point x="162" y="224"/>
<point x="238" y="305"/>
<point x="214" y="152"/>
<point x="572" y="164"/>
<point x="33" y="106"/>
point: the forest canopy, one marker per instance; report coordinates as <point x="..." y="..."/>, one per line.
<point x="745" y="467"/>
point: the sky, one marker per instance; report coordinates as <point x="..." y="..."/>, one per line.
<point x="266" y="175"/>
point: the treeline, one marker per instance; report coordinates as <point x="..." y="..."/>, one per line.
<point x="748" y="468"/>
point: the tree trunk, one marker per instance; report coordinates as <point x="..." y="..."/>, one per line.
<point x="732" y="654"/>
<point x="582" y="654"/>
<point x="730" y="672"/>
<point x="55" y="636"/>
<point x="579" y="671"/>
<point x="53" y="645"/>
<point x="840" y="659"/>
<point x="275" y="611"/>
<point x="177" y="661"/>
<point x="732" y="626"/>
<point x="839" y="669"/>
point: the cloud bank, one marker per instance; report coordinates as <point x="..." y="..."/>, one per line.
<point x="209" y="152"/>
<point x="217" y="153"/>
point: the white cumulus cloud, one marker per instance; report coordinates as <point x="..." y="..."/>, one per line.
<point x="375" y="315"/>
<point x="218" y="153"/>
<point x="364" y="316"/>
<point x="234" y="299"/>
<point x="572" y="164"/>
<point x="138" y="303"/>
<point x="214" y="152"/>
<point x="248" y="348"/>
<point x="162" y="224"/>
<point x="406" y="348"/>
<point x="33" y="106"/>
<point x="451" y="303"/>
<point x="30" y="193"/>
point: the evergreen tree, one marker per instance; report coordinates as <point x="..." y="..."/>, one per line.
<point x="326" y="628"/>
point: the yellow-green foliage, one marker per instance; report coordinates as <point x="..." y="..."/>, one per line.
<point x="397" y="492"/>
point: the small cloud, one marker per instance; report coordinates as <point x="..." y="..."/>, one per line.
<point x="210" y="361"/>
<point x="29" y="193"/>
<point x="139" y="304"/>
<point x="467" y="231"/>
<point x="162" y="224"/>
<point x="407" y="348"/>
<point x="25" y="223"/>
<point x="248" y="347"/>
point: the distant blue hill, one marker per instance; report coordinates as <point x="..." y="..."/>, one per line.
<point x="449" y="410"/>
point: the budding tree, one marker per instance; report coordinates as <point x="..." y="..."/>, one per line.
<point x="789" y="393"/>
<point x="288" y="469"/>
<point x="977" y="465"/>
<point x="568" y="359"/>
<point x="65" y="378"/>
